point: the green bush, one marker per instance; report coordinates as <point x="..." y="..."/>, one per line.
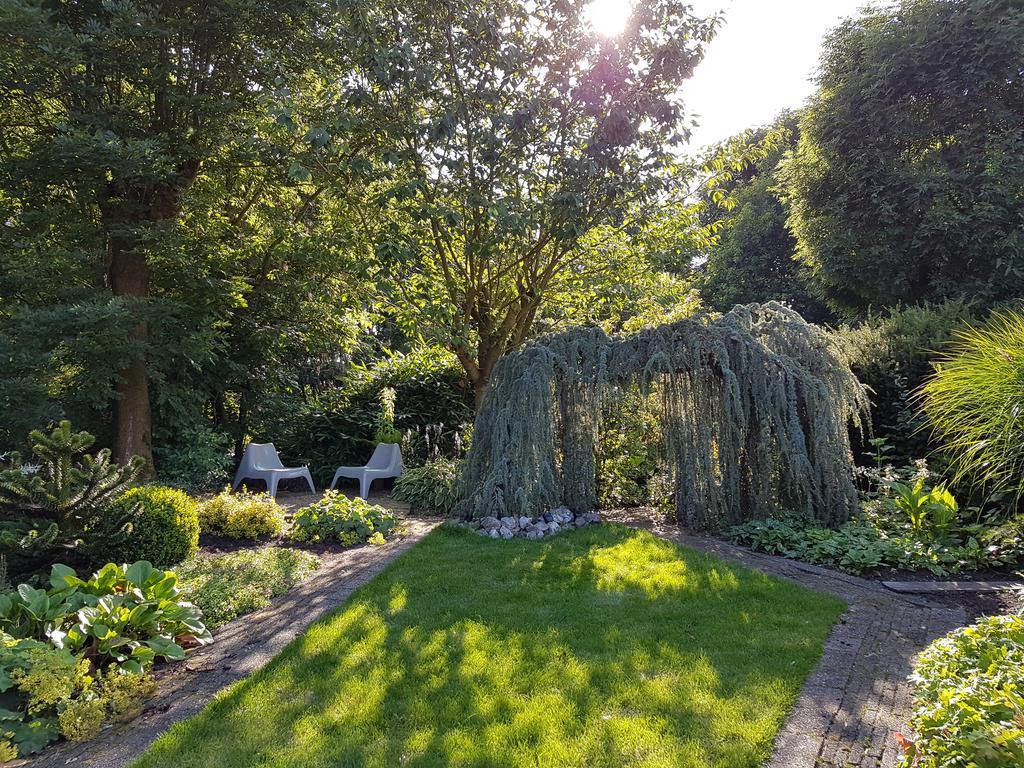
<point x="430" y="488"/>
<point x="230" y="585"/>
<point x="969" y="698"/>
<point x="629" y="450"/>
<point x="194" y="458"/>
<point x="339" y="518"/>
<point x="241" y="515"/>
<point x="62" y="650"/>
<point x="432" y="406"/>
<point x="975" y="403"/>
<point x="892" y="352"/>
<point x="165" y="526"/>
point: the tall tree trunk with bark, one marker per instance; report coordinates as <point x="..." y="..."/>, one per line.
<point x="129" y="277"/>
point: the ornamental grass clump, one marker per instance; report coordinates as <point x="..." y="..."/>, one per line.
<point x="975" y="403"/>
<point x="755" y="409"/>
<point x="432" y="488"/>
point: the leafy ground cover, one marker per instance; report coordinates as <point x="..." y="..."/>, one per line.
<point x="602" y="647"/>
<point x="228" y="585"/>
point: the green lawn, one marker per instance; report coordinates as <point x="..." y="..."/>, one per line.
<point x="602" y="647"/>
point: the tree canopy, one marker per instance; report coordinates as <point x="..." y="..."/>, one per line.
<point x="514" y="131"/>
<point x="908" y="180"/>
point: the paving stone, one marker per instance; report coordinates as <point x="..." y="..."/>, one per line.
<point x="946" y="587"/>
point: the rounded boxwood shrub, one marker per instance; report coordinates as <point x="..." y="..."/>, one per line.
<point x="242" y="515"/>
<point x="165" y="528"/>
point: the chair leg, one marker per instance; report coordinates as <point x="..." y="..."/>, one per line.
<point x="309" y="479"/>
<point x="334" y="482"/>
<point x="272" y="486"/>
<point x="364" y="486"/>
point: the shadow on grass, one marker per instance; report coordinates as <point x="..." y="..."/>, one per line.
<point x="601" y="647"/>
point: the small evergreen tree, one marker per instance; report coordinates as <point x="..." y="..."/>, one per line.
<point x="62" y="501"/>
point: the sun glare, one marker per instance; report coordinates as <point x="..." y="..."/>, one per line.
<point x="609" y="17"/>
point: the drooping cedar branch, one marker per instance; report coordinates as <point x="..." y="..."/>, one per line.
<point x="756" y="409"/>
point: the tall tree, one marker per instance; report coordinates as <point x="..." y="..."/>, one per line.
<point x="908" y="180"/>
<point x="114" y="108"/>
<point x="515" y="130"/>
<point x="751" y="255"/>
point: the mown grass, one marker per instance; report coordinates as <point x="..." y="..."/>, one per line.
<point x="601" y="647"/>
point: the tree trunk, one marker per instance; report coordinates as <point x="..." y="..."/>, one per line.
<point x="487" y="356"/>
<point x="129" y="276"/>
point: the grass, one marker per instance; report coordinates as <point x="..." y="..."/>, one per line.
<point x="226" y="586"/>
<point x="602" y="647"/>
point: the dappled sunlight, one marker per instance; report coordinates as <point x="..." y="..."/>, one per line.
<point x="639" y="564"/>
<point x="471" y="653"/>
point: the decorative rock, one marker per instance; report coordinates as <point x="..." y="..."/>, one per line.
<point x="548" y="524"/>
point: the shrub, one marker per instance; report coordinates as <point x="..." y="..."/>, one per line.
<point x="969" y="698"/>
<point x="892" y="352"/>
<point x="975" y="402"/>
<point x="338" y="426"/>
<point x="230" y="585"/>
<point x="165" y="527"/>
<point x="430" y="488"/>
<point x="194" y="458"/>
<point x="339" y="518"/>
<point x="241" y="515"/>
<point x="61" y="501"/>
<point x="77" y="653"/>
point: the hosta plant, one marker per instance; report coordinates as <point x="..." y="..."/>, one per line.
<point x="123" y="616"/>
<point x="430" y="488"/>
<point x="336" y="517"/>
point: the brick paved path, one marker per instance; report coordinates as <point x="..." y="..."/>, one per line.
<point x="858" y="695"/>
<point x="241" y="647"/>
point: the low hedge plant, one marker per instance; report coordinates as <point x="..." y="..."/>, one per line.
<point x="242" y="515"/>
<point x="336" y="517"/>
<point x="164" y="528"/>
<point x="969" y="698"/>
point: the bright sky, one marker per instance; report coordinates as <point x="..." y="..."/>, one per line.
<point x="759" y="63"/>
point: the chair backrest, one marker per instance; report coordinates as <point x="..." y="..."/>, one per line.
<point x="386" y="456"/>
<point x="262" y="456"/>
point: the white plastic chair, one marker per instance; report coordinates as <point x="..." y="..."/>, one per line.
<point x="261" y="462"/>
<point x="386" y="461"/>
